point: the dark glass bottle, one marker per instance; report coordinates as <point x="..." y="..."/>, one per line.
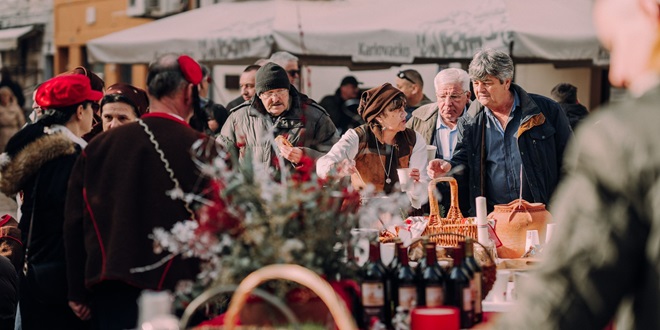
<point x="374" y="288"/>
<point x="393" y="270"/>
<point x="406" y="283"/>
<point x="433" y="280"/>
<point x="475" y="272"/>
<point x="419" y="272"/>
<point x="352" y="271"/>
<point x="459" y="293"/>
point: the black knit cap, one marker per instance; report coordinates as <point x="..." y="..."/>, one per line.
<point x="271" y="76"/>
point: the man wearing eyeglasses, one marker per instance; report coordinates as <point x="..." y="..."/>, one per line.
<point x="438" y="122"/>
<point x="410" y="82"/>
<point x="290" y="64"/>
<point x="278" y="109"/>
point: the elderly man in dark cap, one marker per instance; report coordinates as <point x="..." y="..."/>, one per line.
<point x="109" y="217"/>
<point x="373" y="152"/>
<point x="342" y="106"/>
<point x="278" y="112"/>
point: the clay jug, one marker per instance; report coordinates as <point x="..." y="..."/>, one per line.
<point x="513" y="220"/>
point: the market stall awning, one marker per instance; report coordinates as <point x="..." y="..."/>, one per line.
<point x="364" y="31"/>
<point x="226" y="31"/>
<point x="9" y="37"/>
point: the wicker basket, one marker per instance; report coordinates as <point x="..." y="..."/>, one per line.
<point x="454" y="223"/>
<point x="295" y="273"/>
<point x="343" y="319"/>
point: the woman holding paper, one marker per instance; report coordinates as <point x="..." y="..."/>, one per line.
<point x="373" y="152"/>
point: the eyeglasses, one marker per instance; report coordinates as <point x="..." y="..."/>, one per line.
<point x="453" y="97"/>
<point x="293" y="73"/>
<point x="402" y="75"/>
<point x="279" y="93"/>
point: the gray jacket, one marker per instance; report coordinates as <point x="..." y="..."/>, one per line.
<point x="305" y="125"/>
<point x="424" y="120"/>
<point x="605" y="253"/>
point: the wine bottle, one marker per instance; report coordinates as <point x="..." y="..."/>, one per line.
<point x="433" y="280"/>
<point x="393" y="270"/>
<point x="419" y="272"/>
<point x="459" y="293"/>
<point x="475" y="283"/>
<point x="351" y="271"/>
<point x="406" y="283"/>
<point x="374" y="287"/>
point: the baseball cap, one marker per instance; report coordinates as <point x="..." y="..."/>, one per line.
<point x="350" y="80"/>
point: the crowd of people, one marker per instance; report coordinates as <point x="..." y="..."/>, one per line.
<point x="93" y="166"/>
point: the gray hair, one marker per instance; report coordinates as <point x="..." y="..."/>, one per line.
<point x="164" y="77"/>
<point x="282" y="58"/>
<point x="452" y="76"/>
<point x="491" y="62"/>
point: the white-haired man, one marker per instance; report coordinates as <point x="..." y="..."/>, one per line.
<point x="438" y="122"/>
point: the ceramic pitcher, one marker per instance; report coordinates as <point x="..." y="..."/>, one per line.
<point x="513" y="220"/>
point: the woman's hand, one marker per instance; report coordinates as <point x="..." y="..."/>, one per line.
<point x="414" y="174"/>
<point x="437" y="168"/>
<point x="346" y="167"/>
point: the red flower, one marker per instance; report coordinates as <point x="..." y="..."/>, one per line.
<point x="304" y="169"/>
<point x="213" y="217"/>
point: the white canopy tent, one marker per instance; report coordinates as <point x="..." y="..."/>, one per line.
<point x="362" y="31"/>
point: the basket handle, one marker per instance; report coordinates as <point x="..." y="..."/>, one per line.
<point x="294" y="273"/>
<point x="454" y="211"/>
<point x="211" y="292"/>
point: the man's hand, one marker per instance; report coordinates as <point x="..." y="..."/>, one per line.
<point x="293" y="154"/>
<point x="82" y="311"/>
<point x="437" y="168"/>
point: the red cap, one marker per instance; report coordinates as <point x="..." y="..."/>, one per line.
<point x="190" y="69"/>
<point x="66" y="90"/>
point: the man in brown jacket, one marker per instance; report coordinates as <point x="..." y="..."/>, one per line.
<point x="119" y="193"/>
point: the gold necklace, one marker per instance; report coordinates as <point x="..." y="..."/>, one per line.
<point x="389" y="167"/>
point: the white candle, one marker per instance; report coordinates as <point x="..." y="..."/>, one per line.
<point x="482" y="222"/>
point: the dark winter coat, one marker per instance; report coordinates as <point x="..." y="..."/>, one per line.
<point x="575" y="113"/>
<point x="32" y="155"/>
<point x="542" y="137"/>
<point x="118" y="195"/>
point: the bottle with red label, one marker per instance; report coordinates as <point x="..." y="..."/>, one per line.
<point x="373" y="288"/>
<point x="459" y="293"/>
